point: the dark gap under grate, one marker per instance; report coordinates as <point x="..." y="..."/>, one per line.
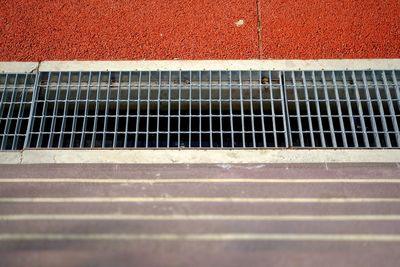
<point x="15" y="102"/>
<point x="209" y="109"/>
<point x="343" y="108"/>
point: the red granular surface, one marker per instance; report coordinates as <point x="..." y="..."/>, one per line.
<point x="127" y="29"/>
<point x="37" y="30"/>
<point x="309" y="29"/>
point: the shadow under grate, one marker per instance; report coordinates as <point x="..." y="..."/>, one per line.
<point x="181" y="109"/>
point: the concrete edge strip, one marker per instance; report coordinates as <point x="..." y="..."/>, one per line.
<point x="199" y="156"/>
<point x="195" y="65"/>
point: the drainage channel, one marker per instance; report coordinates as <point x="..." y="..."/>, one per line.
<point x="200" y="109"/>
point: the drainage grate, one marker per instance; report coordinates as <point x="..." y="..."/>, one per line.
<point x="210" y="109"/>
<point x="343" y="109"/>
<point x="200" y="109"/>
<point x="16" y="98"/>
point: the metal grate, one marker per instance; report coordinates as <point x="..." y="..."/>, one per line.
<point x="343" y="108"/>
<point x="209" y="109"/>
<point x="200" y="109"/>
<point x="16" y="98"/>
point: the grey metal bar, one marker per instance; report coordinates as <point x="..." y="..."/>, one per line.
<point x="200" y="103"/>
<point x="391" y="109"/>
<point x="350" y="110"/>
<point x="179" y="108"/>
<point x="148" y="110"/>
<point x="271" y="90"/>
<point x="328" y="107"/>
<point x="104" y="141"/>
<point x="86" y="111"/>
<point x="96" y="112"/>
<point x="285" y="111"/>
<point x="310" y="124"/>
<point x="339" y="108"/>
<point x="169" y="110"/>
<point x="220" y="108"/>
<point x="158" y="109"/>
<point x="321" y="128"/>
<point x="117" y="111"/>
<point x="32" y="111"/>
<point x="20" y="117"/>
<point x="241" y="108"/>
<point x="231" y="109"/>
<point x="10" y="111"/>
<point x="381" y="111"/>
<point x="44" y="112"/>
<point x="63" y="119"/>
<point x="360" y="110"/>
<point x="55" y="109"/>
<point x="210" y="110"/>
<point x="371" y="111"/>
<point x="138" y="110"/>
<point x="190" y="109"/>
<point x="128" y="110"/>
<point x="251" y="110"/>
<point x="262" y="110"/>
<point x="298" y="113"/>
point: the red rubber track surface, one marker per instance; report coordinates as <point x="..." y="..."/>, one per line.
<point x="311" y="29"/>
<point x="39" y="30"/>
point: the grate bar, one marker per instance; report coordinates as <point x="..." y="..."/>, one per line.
<point x="340" y="113"/>
<point x="329" y="112"/>
<point x="391" y="107"/>
<point x="321" y="129"/>
<point x="371" y="111"/>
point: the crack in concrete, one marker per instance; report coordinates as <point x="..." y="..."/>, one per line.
<point x="36" y="69"/>
<point x="21" y="157"/>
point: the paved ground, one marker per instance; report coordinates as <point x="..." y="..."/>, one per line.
<point x="39" y="30"/>
<point x="217" y="215"/>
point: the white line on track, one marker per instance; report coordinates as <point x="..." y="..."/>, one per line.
<point x="202" y="237"/>
<point x="198" y="217"/>
<point x="199" y="180"/>
<point x="191" y="200"/>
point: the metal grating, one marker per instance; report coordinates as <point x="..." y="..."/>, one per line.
<point x="185" y="109"/>
<point x="343" y="109"/>
<point x="16" y="98"/>
<point x="200" y="109"/>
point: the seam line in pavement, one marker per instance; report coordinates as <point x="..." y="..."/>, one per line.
<point x="259" y="32"/>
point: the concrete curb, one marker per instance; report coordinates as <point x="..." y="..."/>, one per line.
<point x="147" y="65"/>
<point x="199" y="156"/>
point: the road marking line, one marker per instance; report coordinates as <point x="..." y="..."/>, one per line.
<point x="201" y="237"/>
<point x="192" y="200"/>
<point x="206" y="217"/>
<point x="196" y="180"/>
